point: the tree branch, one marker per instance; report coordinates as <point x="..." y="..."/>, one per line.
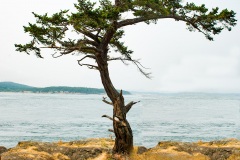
<point x="87" y="56"/>
<point x="88" y="65"/>
<point x="142" y="19"/>
<point x="89" y="34"/>
<point x="136" y="62"/>
<point x="53" y="55"/>
<point x="129" y="105"/>
<point x="106" y="116"/>
<point x="94" y="49"/>
<point x="105" y="101"/>
<point x="63" y="49"/>
<point x="127" y="22"/>
<point x="79" y="42"/>
<point x="87" y="41"/>
<point x="67" y="51"/>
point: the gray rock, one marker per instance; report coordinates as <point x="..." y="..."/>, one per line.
<point x="141" y="149"/>
<point x="2" y="149"/>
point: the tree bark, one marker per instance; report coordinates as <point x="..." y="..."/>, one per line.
<point x="122" y="129"/>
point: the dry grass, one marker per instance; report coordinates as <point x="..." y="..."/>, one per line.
<point x="223" y="143"/>
<point x="163" y="151"/>
<point x="165" y="154"/>
<point x="94" y="142"/>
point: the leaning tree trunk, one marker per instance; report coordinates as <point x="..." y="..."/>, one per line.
<point x="122" y="129"/>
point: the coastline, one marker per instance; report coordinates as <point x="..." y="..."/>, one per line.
<point x="100" y="149"/>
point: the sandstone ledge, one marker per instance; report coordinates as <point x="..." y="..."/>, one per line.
<point x="100" y="149"/>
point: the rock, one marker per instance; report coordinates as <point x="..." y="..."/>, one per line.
<point x="2" y="149"/>
<point x="215" y="150"/>
<point x="102" y="148"/>
<point x="79" y="150"/>
<point x="141" y="149"/>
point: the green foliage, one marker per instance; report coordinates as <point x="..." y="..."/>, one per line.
<point x="212" y="22"/>
<point x="99" y="27"/>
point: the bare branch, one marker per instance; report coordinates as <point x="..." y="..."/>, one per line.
<point x="106" y="116"/>
<point x="88" y="65"/>
<point x="105" y="101"/>
<point x="129" y="105"/>
<point x="67" y="51"/>
<point x="56" y="56"/>
<point x="64" y="50"/>
<point x="127" y="59"/>
<point x="121" y="93"/>
<point x="87" y="56"/>
<point x="118" y="58"/>
<point x="146" y="74"/>
<point x="136" y="62"/>
<point x="111" y="130"/>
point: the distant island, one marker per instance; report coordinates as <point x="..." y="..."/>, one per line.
<point x="16" y="87"/>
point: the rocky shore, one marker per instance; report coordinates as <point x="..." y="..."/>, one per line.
<point x="100" y="149"/>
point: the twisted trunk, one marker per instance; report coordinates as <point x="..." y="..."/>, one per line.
<point x="122" y="129"/>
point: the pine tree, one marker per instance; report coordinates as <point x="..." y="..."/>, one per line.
<point x="100" y="27"/>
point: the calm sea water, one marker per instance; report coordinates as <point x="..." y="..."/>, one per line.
<point x="67" y="117"/>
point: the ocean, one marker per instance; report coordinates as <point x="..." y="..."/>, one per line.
<point x="158" y="117"/>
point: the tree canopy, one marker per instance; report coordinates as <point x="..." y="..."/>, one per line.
<point x="100" y="26"/>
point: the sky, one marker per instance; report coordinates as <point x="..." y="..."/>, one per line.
<point x="179" y="60"/>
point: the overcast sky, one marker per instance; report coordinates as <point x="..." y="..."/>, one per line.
<point x="180" y="61"/>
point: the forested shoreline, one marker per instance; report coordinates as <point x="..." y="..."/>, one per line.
<point x="16" y="87"/>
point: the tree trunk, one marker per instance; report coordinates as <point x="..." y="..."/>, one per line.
<point x="123" y="132"/>
<point x="122" y="129"/>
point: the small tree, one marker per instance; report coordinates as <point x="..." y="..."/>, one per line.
<point x="99" y="28"/>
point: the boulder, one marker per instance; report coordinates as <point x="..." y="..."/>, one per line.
<point x="141" y="149"/>
<point x="2" y="149"/>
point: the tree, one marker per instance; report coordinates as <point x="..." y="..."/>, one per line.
<point x="99" y="29"/>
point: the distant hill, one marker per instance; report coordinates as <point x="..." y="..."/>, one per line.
<point x="16" y="87"/>
<point x="11" y="86"/>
